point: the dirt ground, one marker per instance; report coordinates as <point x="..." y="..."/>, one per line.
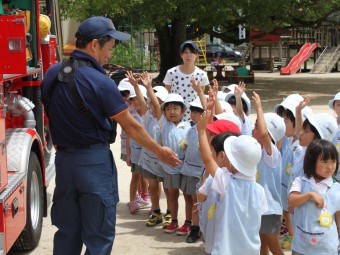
<point x="133" y="237"/>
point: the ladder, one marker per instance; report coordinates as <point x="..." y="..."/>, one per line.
<point x="202" y="46"/>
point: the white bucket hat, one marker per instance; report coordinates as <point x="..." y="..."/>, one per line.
<point x="244" y="153"/>
<point x="226" y="107"/>
<point x="325" y="124"/>
<point x="244" y="97"/>
<point x="221" y="95"/>
<point x="173" y="98"/>
<point x="276" y="126"/>
<point x="161" y="92"/>
<point x="196" y="103"/>
<point x="291" y="102"/>
<point x="231" y="117"/>
<point x="231" y="87"/>
<point x="125" y="85"/>
<point x="331" y="102"/>
<point x="142" y="90"/>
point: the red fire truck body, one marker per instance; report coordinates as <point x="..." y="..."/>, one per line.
<point x="26" y="150"/>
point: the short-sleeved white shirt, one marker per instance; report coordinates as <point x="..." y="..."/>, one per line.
<point x="180" y="84"/>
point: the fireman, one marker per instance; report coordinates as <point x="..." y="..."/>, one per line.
<point x="86" y="192"/>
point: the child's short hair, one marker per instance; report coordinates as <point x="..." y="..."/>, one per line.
<point x="173" y="103"/>
<point x="290" y="116"/>
<point x="125" y="93"/>
<point x="306" y="124"/>
<point x="218" y="141"/>
<point x="196" y="109"/>
<point x="320" y="148"/>
<point x="232" y="101"/>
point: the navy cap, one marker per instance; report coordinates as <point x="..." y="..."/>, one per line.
<point x="193" y="44"/>
<point x="97" y="27"/>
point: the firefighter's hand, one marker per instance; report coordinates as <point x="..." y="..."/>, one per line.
<point x="168" y="156"/>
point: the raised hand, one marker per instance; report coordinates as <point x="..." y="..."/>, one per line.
<point x="131" y="78"/>
<point x="240" y="89"/>
<point x="146" y="79"/>
<point x="195" y="85"/>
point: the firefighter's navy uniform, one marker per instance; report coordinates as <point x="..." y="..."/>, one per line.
<point x="86" y="193"/>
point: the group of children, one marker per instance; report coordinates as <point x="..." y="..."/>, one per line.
<point x="239" y="183"/>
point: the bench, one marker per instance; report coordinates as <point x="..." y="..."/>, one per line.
<point x="241" y="74"/>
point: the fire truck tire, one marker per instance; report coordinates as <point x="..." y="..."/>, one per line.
<point x="30" y="236"/>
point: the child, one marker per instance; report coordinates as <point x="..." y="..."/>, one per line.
<point x="192" y="167"/>
<point x="173" y="131"/>
<point x="290" y="152"/>
<point x="152" y="170"/>
<point x="268" y="131"/>
<point x="137" y="100"/>
<point x="125" y="89"/>
<point x="335" y="105"/>
<point x="319" y="126"/>
<point x="207" y="197"/>
<point x="178" y="79"/>
<point x="315" y="197"/>
<point x="241" y="106"/>
<point x="241" y="201"/>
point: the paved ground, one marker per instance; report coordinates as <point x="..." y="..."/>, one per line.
<point x="132" y="235"/>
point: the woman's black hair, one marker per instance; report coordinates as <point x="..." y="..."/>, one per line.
<point x="306" y="124"/>
<point x="232" y="101"/>
<point x="218" y="141"/>
<point x="190" y="47"/>
<point x="319" y="148"/>
<point x="196" y="109"/>
<point x="82" y="42"/>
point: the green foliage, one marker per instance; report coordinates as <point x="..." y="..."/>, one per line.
<point x="124" y="54"/>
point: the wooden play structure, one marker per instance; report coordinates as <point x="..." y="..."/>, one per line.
<point x="289" y="50"/>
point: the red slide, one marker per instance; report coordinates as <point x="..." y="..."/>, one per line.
<point x="296" y="62"/>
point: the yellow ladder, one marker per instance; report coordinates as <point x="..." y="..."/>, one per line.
<point x="202" y="46"/>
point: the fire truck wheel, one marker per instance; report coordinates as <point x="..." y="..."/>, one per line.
<point x="30" y="236"/>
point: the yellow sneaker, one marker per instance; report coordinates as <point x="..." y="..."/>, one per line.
<point x="287" y="241"/>
<point x="155" y="219"/>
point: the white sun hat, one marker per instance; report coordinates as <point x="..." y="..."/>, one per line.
<point x="244" y="153"/>
<point x="161" y="92"/>
<point x="231" y="117"/>
<point x="230" y="87"/>
<point x="142" y="90"/>
<point x="221" y="95"/>
<point x="331" y="102"/>
<point x="173" y="98"/>
<point x="291" y="102"/>
<point x="244" y="97"/>
<point x="276" y="126"/>
<point x="325" y="124"/>
<point x="226" y="107"/>
<point x="125" y="85"/>
<point x="196" y="103"/>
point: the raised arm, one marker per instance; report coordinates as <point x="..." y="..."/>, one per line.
<point x="217" y="108"/>
<point x="208" y="161"/>
<point x="140" y="98"/>
<point x="239" y="90"/>
<point x="298" y="113"/>
<point x="147" y="82"/>
<point x="261" y="125"/>
<point x="197" y="87"/>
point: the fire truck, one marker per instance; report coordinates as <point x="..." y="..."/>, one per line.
<point x="26" y="149"/>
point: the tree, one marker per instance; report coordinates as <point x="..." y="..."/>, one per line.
<point x="179" y="20"/>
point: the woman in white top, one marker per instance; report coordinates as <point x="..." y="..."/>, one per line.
<point x="177" y="79"/>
